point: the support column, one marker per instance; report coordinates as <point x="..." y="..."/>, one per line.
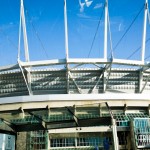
<point x="49" y="111"/>
<point x="144" y="31"/>
<point x="129" y="141"/>
<point x="24" y="32"/>
<point x="132" y="138"/>
<point x="105" y="29"/>
<point x="140" y="81"/>
<point x="100" y="110"/>
<point x="115" y="137"/>
<point x="23" y="24"/>
<point x="66" y="45"/>
<point x="22" y="114"/>
<point x="148" y="109"/>
<point x="104" y="81"/>
<point x="21" y="141"/>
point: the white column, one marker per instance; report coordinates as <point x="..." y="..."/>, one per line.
<point x="105" y="29"/>
<point x="66" y="45"/>
<point x="144" y="30"/>
<point x="23" y="23"/>
<point x="115" y="137"/>
<point x="24" y="32"/>
<point x="140" y="81"/>
<point x="66" y="29"/>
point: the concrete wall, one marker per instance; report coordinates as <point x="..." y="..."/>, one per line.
<point x="21" y="141"/>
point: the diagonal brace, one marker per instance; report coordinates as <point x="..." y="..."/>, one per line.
<point x="29" y="90"/>
<point x="79" y="90"/>
<point x="108" y="75"/>
<point x="102" y="74"/>
<point x="145" y="83"/>
<point x="74" y="116"/>
<point x="11" y="125"/>
<point x="40" y="119"/>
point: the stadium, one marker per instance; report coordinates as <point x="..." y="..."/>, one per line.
<point x="76" y="103"/>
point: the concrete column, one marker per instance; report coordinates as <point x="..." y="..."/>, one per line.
<point x="115" y="137"/>
<point x="21" y="143"/>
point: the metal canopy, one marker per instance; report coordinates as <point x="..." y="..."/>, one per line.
<point x="40" y="119"/>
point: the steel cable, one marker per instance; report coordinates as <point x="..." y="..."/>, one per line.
<point x="96" y="32"/>
<point x="128" y="28"/>
<point x="36" y="33"/>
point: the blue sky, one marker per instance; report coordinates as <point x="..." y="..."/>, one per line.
<point x="47" y="17"/>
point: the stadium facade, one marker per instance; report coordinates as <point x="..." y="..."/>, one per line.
<point x="88" y="104"/>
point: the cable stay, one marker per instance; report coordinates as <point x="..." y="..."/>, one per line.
<point x="36" y="33"/>
<point x="139" y="48"/>
<point x="148" y="55"/>
<point x="148" y="15"/>
<point x="99" y="22"/>
<point x="8" y="39"/>
<point x="144" y="34"/>
<point x="128" y="28"/>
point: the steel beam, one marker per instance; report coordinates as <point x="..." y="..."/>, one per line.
<point x="43" y="123"/>
<point x="79" y="90"/>
<point x="145" y="84"/>
<point x="74" y="116"/>
<point x="115" y="137"/>
<point x="9" y="67"/>
<point x="140" y="80"/>
<point x="82" y="61"/>
<point x="120" y="99"/>
<point x="11" y="125"/>
<point x="22" y="112"/>
<point x="148" y="109"/>
<point x="26" y="82"/>
<point x="108" y="75"/>
<point x="106" y="29"/>
<point x="144" y="31"/>
<point x="24" y="32"/>
<point x="125" y="108"/>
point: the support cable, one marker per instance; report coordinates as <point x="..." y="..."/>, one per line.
<point x="129" y="27"/>
<point x="96" y="32"/>
<point x="36" y="33"/>
<point x="8" y="39"/>
<point x="138" y="49"/>
<point x="147" y="57"/>
<point x="148" y="15"/>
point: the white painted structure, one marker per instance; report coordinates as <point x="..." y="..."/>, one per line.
<point x="25" y="87"/>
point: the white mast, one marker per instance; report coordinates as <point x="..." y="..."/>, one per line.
<point x="144" y="30"/>
<point x="24" y="32"/>
<point x="105" y="29"/>
<point x="66" y="45"/>
<point x="66" y="29"/>
<point x="23" y="25"/>
<point x="19" y="36"/>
